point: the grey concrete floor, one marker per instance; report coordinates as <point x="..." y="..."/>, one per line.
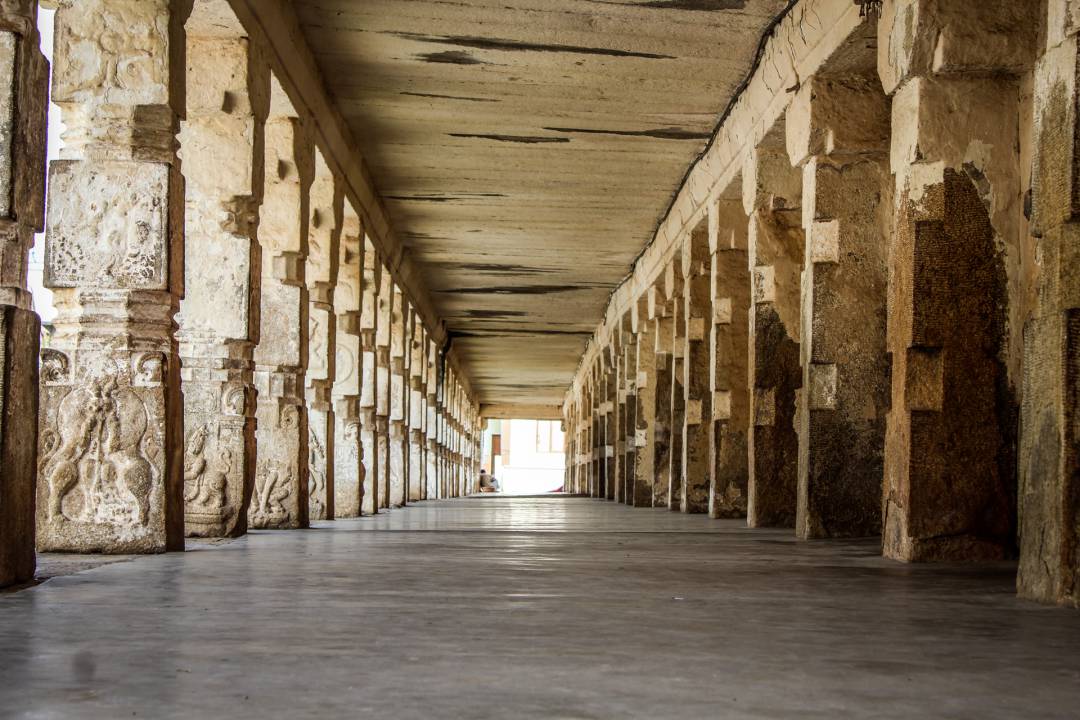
<point x="534" y="608"/>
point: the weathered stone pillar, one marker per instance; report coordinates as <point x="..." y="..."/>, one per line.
<point x="324" y="237"/>
<point x="673" y="290"/>
<point x="729" y="329"/>
<point x="399" y="436"/>
<point x="838" y="132"/>
<point x="597" y="465"/>
<point x="222" y="147"/>
<point x="369" y="323"/>
<point x="643" y="436"/>
<point x="111" y="421"/>
<point x="628" y="352"/>
<point x="383" y="334"/>
<point x="281" y="477"/>
<point x="349" y="470"/>
<point x="697" y="372"/>
<point x="772" y="193"/>
<point x="950" y="449"/>
<point x="431" y="454"/>
<point x="23" y="91"/>
<point x="664" y="334"/>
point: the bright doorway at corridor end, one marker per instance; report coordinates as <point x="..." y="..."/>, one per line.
<point x="526" y="457"/>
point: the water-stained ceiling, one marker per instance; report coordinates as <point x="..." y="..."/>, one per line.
<point x="527" y="149"/>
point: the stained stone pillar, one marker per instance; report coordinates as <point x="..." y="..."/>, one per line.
<point x="111" y="421"/>
<point x="1050" y="416"/>
<point x="597" y="465"/>
<point x="280" y="499"/>
<point x="324" y="236"/>
<point x="23" y="92"/>
<point x="643" y="435"/>
<point x="663" y="336"/>
<point x="629" y="430"/>
<point x="399" y="437"/>
<point x="382" y="388"/>
<point x="950" y="448"/>
<point x="729" y="329"/>
<point x="369" y="323"/>
<point x="222" y="144"/>
<point x="697" y="372"/>
<point x="346" y="394"/>
<point x="674" y="291"/>
<point x="772" y="193"/>
<point x="847" y="191"/>
<point x="611" y="422"/>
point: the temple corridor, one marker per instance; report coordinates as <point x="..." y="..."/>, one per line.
<point x="551" y="607"/>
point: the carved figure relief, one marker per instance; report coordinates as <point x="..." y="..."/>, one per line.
<point x="205" y="481"/>
<point x="273" y="486"/>
<point x="97" y="460"/>
<point x="316" y="476"/>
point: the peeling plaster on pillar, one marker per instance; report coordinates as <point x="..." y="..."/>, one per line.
<point x="111" y="407"/>
<point x="24" y="77"/>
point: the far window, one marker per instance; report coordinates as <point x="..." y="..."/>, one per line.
<point x="549" y="437"/>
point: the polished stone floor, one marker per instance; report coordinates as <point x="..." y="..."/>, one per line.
<point x="555" y="608"/>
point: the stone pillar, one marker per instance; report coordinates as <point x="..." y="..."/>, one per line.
<point x="347" y="394"/>
<point x="611" y="422"/>
<point x="431" y="455"/>
<point x="23" y="91"/>
<point x="281" y="477"/>
<point x="222" y="147"/>
<point x="628" y="352"/>
<point x="772" y="192"/>
<point x="729" y="341"/>
<point x="673" y="290"/>
<point x="369" y="323"/>
<point x="1050" y="416"/>
<point x="417" y="395"/>
<point x="697" y="372"/>
<point x="643" y="436"/>
<point x="399" y="436"/>
<point x="324" y="237"/>
<point x="838" y="132"/>
<point x="597" y="464"/>
<point x="950" y="448"/>
<point x="111" y="420"/>
<point x="382" y="388"/>
<point x="663" y="336"/>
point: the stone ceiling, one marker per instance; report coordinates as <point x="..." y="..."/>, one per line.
<point x="526" y="150"/>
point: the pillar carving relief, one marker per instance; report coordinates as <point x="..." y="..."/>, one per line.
<point x="111" y="418"/>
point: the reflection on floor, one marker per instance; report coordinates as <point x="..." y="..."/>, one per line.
<point x="534" y="608"/>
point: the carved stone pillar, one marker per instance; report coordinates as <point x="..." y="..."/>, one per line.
<point x="280" y="499"/>
<point x="222" y="147"/>
<point x="399" y="435"/>
<point x="324" y="236"/>
<point x="431" y="423"/>
<point x="611" y="422"/>
<point x="349" y="471"/>
<point x="597" y="464"/>
<point x="1050" y="416"/>
<point x="23" y="91"/>
<point x="772" y="192"/>
<point x="674" y="290"/>
<point x="111" y="422"/>
<point x="729" y="329"/>
<point x="663" y="336"/>
<point x="369" y="323"/>
<point x="382" y="389"/>
<point x="950" y="448"/>
<point x="847" y="193"/>
<point x="629" y="430"/>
